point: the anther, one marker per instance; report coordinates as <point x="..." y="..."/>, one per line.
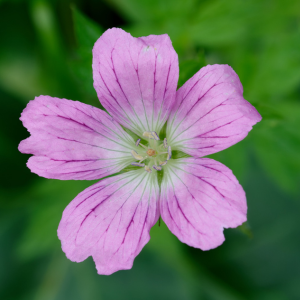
<point x="151" y="135"/>
<point x="148" y="134"/>
<point x="163" y="163"/>
<point x="157" y="168"/>
<point x="136" y="155"/>
<point x="155" y="135"/>
<point x="169" y="153"/>
<point x="136" y="164"/>
<point x="137" y="142"/>
<point x="147" y="169"/>
<point x="165" y="143"/>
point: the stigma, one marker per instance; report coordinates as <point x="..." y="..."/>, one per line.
<point x="153" y="156"/>
<point x="151" y="152"/>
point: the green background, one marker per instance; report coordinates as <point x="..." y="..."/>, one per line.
<point x="45" y="48"/>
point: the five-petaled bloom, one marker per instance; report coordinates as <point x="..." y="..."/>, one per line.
<point x="136" y="81"/>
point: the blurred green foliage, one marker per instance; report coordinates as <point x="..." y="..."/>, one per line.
<point x="46" y="48"/>
<point x="86" y="33"/>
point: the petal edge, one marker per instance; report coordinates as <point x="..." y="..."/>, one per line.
<point x="73" y="140"/>
<point x="199" y="198"/>
<point x="136" y="78"/>
<point x="110" y="221"/>
<point x="210" y="113"/>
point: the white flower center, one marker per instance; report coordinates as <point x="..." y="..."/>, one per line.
<point x="153" y="156"/>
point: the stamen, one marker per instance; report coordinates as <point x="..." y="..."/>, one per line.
<point x="169" y="153"/>
<point x="157" y="168"/>
<point x="155" y="135"/>
<point x="143" y="146"/>
<point x="152" y="153"/>
<point x="136" y="164"/>
<point x="147" y="169"/>
<point x="137" y="142"/>
<point x="165" y="143"/>
<point x="148" y="134"/>
<point x="151" y="135"/>
<point x="136" y="155"/>
<point x="163" y="163"/>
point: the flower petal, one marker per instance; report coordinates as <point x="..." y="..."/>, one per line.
<point x="210" y="113"/>
<point x="72" y="140"/>
<point x="199" y="198"/>
<point x="111" y="221"/>
<point x="136" y="78"/>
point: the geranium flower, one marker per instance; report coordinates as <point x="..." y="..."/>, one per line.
<point x="136" y="81"/>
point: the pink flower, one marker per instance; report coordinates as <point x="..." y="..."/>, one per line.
<point x="136" y="81"/>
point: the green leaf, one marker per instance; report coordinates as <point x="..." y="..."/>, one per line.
<point x="176" y="154"/>
<point x="49" y="199"/>
<point x="171" y="252"/>
<point x="219" y="22"/>
<point x="235" y="158"/>
<point x="245" y="229"/>
<point x="278" y="68"/>
<point x="277" y="146"/>
<point x="153" y="10"/>
<point x="86" y="32"/>
<point x="189" y="67"/>
<point x="53" y="51"/>
<point x="132" y="134"/>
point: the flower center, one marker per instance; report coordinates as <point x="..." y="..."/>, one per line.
<point x="151" y="152"/>
<point x="153" y="156"/>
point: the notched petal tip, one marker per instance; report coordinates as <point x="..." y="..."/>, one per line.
<point x="23" y="147"/>
<point x="135" y="78"/>
<point x="110" y="221"/>
<point x="112" y="268"/>
<point x="201" y="197"/>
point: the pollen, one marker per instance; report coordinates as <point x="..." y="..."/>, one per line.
<point x="151" y="152"/>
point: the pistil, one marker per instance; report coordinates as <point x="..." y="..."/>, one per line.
<point x="153" y="153"/>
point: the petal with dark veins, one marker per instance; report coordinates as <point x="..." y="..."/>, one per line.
<point x="136" y="78"/>
<point x="111" y="221"/>
<point x="210" y="113"/>
<point x="199" y="198"/>
<point x="72" y="140"/>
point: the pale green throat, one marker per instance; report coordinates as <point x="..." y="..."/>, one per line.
<point x="154" y="156"/>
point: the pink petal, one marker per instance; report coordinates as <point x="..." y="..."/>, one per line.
<point x="110" y="221"/>
<point x="199" y="198"/>
<point x="136" y="78"/>
<point x="210" y="113"/>
<point x="72" y="140"/>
